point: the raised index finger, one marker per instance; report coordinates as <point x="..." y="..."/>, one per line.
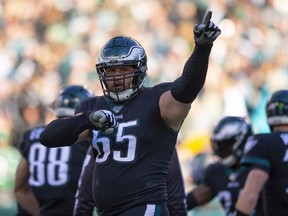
<point x="207" y="18"/>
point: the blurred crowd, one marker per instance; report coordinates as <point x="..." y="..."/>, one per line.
<point x="46" y="44"/>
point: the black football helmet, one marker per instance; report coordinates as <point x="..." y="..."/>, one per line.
<point x="228" y="139"/>
<point x="277" y="108"/>
<point x="122" y="50"/>
<point x="68" y="99"/>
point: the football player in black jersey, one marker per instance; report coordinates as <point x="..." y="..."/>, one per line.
<point x="84" y="203"/>
<point x="267" y="156"/>
<point x="46" y="178"/>
<point x="226" y="177"/>
<point x="134" y="127"/>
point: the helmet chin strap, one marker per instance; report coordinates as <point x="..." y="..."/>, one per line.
<point x="127" y="94"/>
<point x="122" y="96"/>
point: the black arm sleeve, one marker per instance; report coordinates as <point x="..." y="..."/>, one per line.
<point x="189" y="84"/>
<point x="64" y="132"/>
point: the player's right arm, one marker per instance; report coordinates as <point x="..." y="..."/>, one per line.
<point x="199" y="195"/>
<point x="23" y="191"/>
<point x="249" y="196"/>
<point x="66" y="131"/>
<point x="257" y="153"/>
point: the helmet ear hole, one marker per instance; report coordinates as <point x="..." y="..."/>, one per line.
<point x="122" y="51"/>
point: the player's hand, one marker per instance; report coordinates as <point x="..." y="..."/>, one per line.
<point x="103" y="120"/>
<point x="206" y="32"/>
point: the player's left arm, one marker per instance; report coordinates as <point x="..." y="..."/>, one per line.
<point x="175" y="103"/>
<point x="249" y="196"/>
<point x="23" y="191"/>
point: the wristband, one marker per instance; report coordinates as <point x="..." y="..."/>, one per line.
<point x="191" y="201"/>
<point x="239" y="213"/>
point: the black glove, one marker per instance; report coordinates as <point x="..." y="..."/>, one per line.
<point x="206" y="32"/>
<point x="103" y="120"/>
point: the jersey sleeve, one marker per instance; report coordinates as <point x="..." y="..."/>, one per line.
<point x="257" y="153"/>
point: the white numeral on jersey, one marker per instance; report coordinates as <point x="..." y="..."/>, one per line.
<point x="225" y="198"/>
<point x="102" y="144"/>
<point x="131" y="143"/>
<point x="285" y="159"/>
<point x="56" y="172"/>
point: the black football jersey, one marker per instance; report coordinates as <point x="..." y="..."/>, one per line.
<point x="54" y="172"/>
<point x="269" y="152"/>
<point x="84" y="204"/>
<point x="132" y="162"/>
<point x="226" y="184"/>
